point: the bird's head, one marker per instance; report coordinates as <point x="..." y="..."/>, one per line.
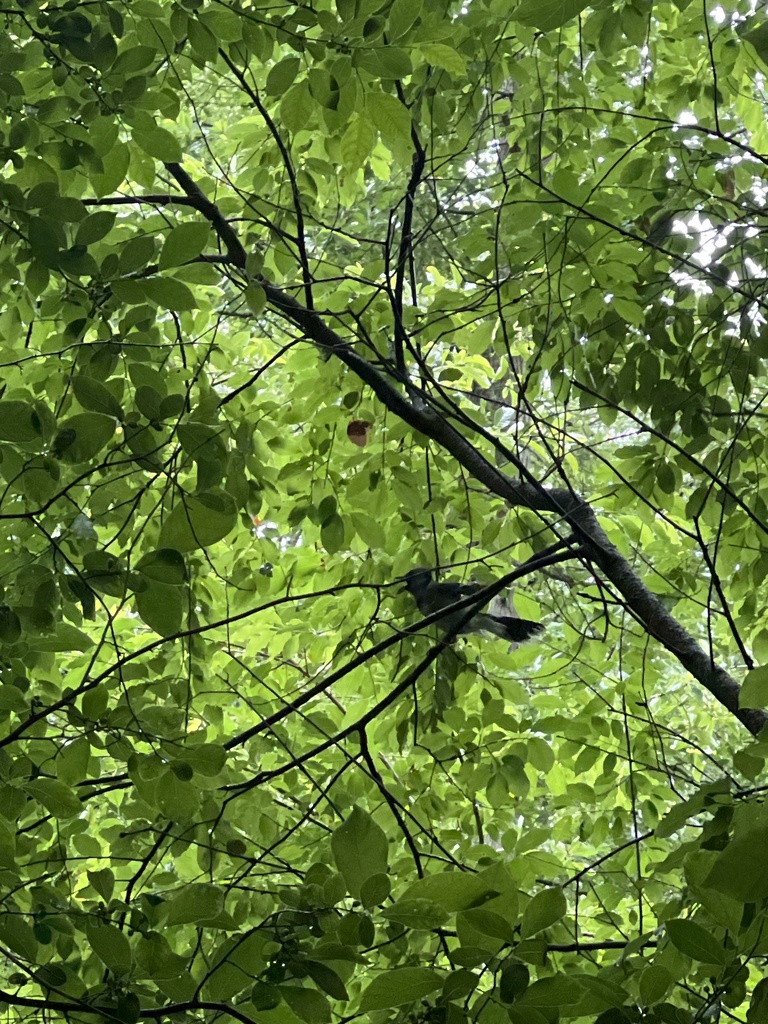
<point x="417" y="580"/>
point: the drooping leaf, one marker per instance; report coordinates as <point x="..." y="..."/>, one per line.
<point x="159" y="143"/>
<point x="360" y="849"/>
<point x="741" y="869"/>
<point x="198" y="521"/>
<point x="111" y="946"/>
<point x="693" y="940"/>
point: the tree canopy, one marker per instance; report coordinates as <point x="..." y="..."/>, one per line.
<point x="296" y="298"/>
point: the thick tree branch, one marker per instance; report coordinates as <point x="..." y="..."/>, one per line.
<point x="565" y="504"/>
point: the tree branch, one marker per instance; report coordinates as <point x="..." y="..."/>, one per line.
<point x="647" y="607"/>
<point x="559" y="501"/>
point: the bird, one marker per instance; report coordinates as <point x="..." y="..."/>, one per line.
<point x="430" y="597"/>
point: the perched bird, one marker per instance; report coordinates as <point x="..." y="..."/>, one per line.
<point x="431" y="597"/>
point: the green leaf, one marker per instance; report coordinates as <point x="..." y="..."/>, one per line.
<point x="111" y="946"/>
<point x="184" y="243"/>
<point x="80" y="438"/>
<point x="170" y="294"/>
<point x="756" y="36"/>
<point x="45" y="241"/>
<point x="357" y="143"/>
<point x="402" y="15"/>
<point x="179" y="801"/>
<point x="18" y="936"/>
<point x="103" y="881"/>
<point x="156" y="960"/>
<point x="453" y="890"/>
<point x="308" y="1004"/>
<point x="158" y="143"/>
<point x="369" y="530"/>
<point x="417" y="913"/>
<point x="136" y="254"/>
<point x="199" y="521"/>
<point x="546" y="15"/>
<point x="11" y="697"/>
<point x="754" y="690"/>
<point x="202" y="442"/>
<point x="515" y="979"/>
<point x="385" y="62"/>
<point x="196" y="904"/>
<point x="265" y="997"/>
<point x="375" y="890"/>
<point x="19" y="422"/>
<point x="489" y="923"/>
<point x="96" y="397"/>
<point x="359" y="849"/>
<point x="296" y="107"/>
<point x="328" y="980"/>
<point x="741" y="869"/>
<point x="203" y="41"/>
<point x="57" y="798"/>
<point x="655" y="982"/>
<point x="446" y="57"/>
<point x="113" y="171"/>
<point x="95" y="227"/>
<point x="255" y="298"/>
<point x="550" y="994"/>
<point x="391" y="118"/>
<point x="206" y="759"/>
<point x="133" y="59"/>
<point x="161" y="606"/>
<point x="165" y="565"/>
<point x="399" y="987"/>
<point x="282" y="75"/>
<point x="65" y="638"/>
<point x="696" y="942"/>
<point x="10" y="625"/>
<point x="545" y="909"/>
<point x="332" y="534"/>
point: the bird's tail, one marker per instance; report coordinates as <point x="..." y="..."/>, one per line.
<point x="509" y="628"/>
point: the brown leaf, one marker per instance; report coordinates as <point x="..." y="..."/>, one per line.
<point x="358" y="431"/>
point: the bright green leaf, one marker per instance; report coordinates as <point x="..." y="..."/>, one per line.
<point x="199" y="521"/>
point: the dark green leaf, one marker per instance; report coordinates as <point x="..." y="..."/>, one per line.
<point x="94" y="227"/>
<point x="80" y="438"/>
<point x="96" y="397"/>
<point x="19" y="422"/>
<point x="399" y="987"/>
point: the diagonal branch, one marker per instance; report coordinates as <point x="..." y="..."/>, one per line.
<point x="562" y="502"/>
<point x="526" y="492"/>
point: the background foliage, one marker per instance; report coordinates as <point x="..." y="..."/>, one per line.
<point x="295" y="297"/>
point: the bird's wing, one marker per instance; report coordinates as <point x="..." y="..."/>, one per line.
<point x="450" y="593"/>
